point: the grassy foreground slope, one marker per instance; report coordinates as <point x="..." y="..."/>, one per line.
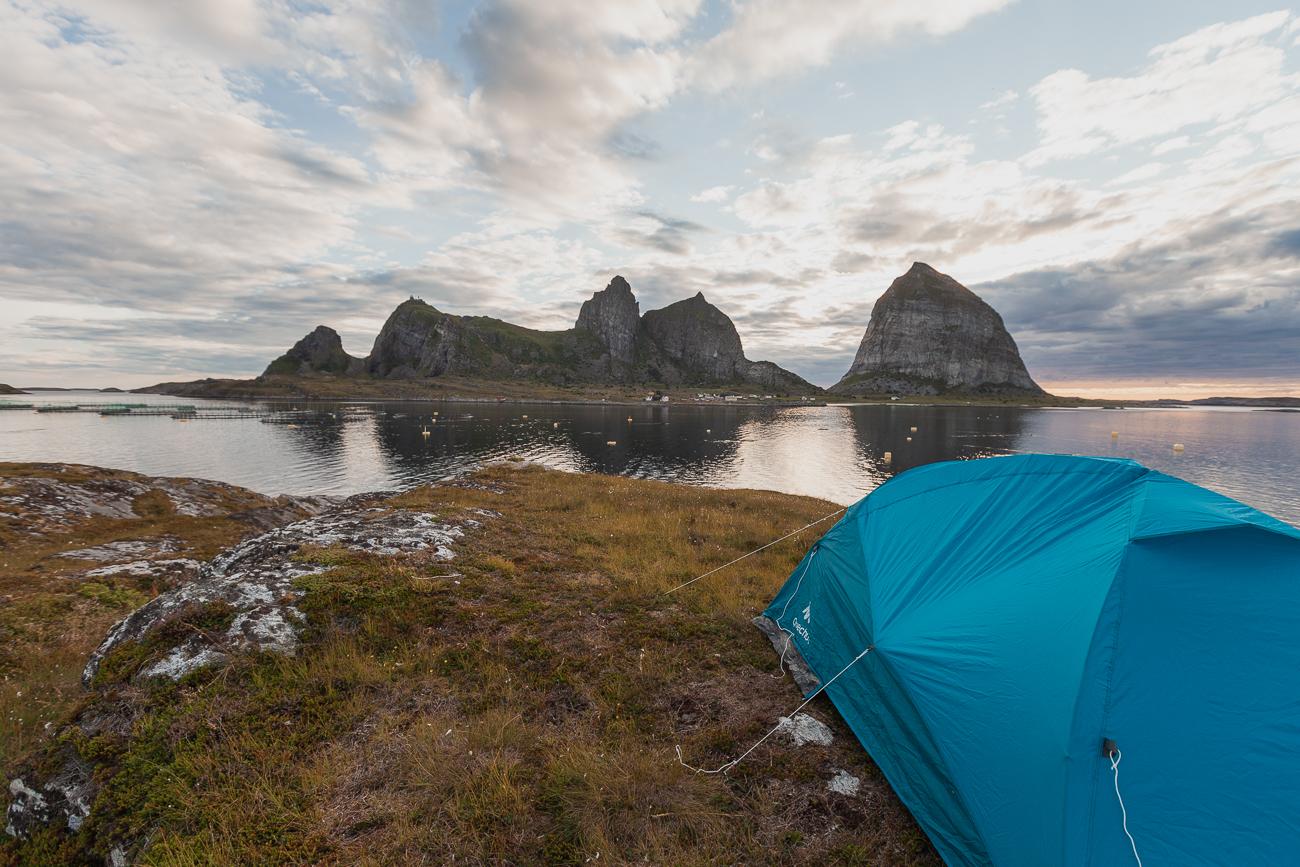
<point x="519" y="704"/>
<point x="60" y="523"/>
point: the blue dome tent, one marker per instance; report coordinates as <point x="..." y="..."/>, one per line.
<point x="1051" y="637"/>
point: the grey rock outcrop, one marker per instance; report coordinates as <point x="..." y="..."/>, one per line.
<point x="614" y="317"/>
<point x="321" y="351"/>
<point x="698" y="338"/>
<point x="929" y="334"/>
<point x="258" y="581"/>
<point x="417" y="340"/>
<point x="692" y="342"/>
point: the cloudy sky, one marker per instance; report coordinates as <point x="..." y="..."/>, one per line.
<point x="187" y="188"/>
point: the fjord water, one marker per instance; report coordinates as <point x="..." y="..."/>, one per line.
<point x="834" y="452"/>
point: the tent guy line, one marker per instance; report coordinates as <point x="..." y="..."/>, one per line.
<point x="1115" y="756"/>
<point x="755" y="551"/>
<point x="722" y="769"/>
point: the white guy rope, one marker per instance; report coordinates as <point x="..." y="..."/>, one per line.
<point x="722" y="769"/>
<point x="1115" y="756"/>
<point x="755" y="551"/>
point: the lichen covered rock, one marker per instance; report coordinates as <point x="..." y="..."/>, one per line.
<point x="256" y="582"/>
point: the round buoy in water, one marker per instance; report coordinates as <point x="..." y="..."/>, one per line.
<point x="1114" y="434"/>
<point x="611" y="442"/>
<point x="523" y="416"/>
<point x="555" y="424"/>
<point x="909" y="439"/>
<point x="889" y="457"/>
<point x="708" y="430"/>
<point x="1178" y="447"/>
<point x="913" y="429"/>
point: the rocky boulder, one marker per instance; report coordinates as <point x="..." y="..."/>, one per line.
<point x="929" y="334"/>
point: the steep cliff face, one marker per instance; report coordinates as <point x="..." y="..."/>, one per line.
<point x="696" y="338"/>
<point x="321" y="351"/>
<point x="613" y="316"/>
<point x="692" y="342"/>
<point x="929" y="334"/>
<point x="417" y="340"/>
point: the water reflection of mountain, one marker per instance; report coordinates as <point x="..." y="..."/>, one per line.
<point x="834" y="452"/>
<point x="943" y="433"/>
<point x="659" y="441"/>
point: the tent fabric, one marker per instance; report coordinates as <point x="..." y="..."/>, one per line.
<point x="1020" y="610"/>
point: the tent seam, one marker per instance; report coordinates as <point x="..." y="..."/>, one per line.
<point x="960" y="482"/>
<point x="883" y="658"/>
<point x="1120" y="578"/>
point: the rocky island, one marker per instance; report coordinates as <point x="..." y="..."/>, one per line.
<point x="481" y="670"/>
<point x="688" y="344"/>
<point x="930" y="335"/>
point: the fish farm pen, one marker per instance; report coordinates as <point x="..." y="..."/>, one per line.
<point x="192" y="412"/>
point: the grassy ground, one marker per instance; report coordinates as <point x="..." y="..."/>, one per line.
<point x="50" y="620"/>
<point x="519" y="705"/>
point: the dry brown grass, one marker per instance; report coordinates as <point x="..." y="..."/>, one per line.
<point x="524" y="712"/>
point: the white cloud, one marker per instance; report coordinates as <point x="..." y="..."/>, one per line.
<point x="143" y="176"/>
<point x="1002" y="100"/>
<point x="1176" y="143"/>
<point x="1198" y="79"/>
<point x="713" y="194"/>
<point x="1144" y="172"/>
<point x="151" y="183"/>
<point x="770" y="38"/>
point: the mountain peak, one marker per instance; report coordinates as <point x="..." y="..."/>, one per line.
<point x="929" y="334"/>
<point x="613" y="315"/>
<point x="321" y="351"/>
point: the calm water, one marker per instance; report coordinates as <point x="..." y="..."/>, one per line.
<point x="835" y="452"/>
